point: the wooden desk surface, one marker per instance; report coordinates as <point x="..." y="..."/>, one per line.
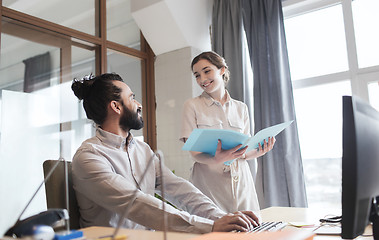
<point x="284" y="214"/>
<point x="98" y="232"/>
<point x="292" y="214"/>
<point x="308" y="216"/>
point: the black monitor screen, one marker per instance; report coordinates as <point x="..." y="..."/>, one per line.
<point x="360" y="164"/>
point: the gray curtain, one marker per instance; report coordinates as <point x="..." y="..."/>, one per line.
<point x="280" y="178"/>
<point x="37" y="72"/>
<point x="228" y="41"/>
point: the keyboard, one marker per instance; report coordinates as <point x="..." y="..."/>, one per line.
<point x="269" y="226"/>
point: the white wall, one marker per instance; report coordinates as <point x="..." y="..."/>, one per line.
<point x="169" y="25"/>
<point x="173" y="85"/>
<point x="177" y="31"/>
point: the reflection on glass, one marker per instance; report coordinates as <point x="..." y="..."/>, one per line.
<point x="365" y="13"/>
<point x="121" y="27"/>
<point x="373" y="90"/>
<point x="83" y="62"/>
<point x="40" y="117"/>
<point x="80" y="128"/>
<point x="129" y="69"/>
<point x="72" y="111"/>
<point x="79" y="15"/>
<point x="316" y="43"/>
<point x="319" y="120"/>
<point x="29" y="127"/>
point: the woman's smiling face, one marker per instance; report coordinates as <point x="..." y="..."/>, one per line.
<point x="208" y="76"/>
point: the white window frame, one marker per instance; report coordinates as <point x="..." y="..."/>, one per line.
<point x="359" y="77"/>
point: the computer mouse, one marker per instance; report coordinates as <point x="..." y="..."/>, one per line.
<point x="43" y="232"/>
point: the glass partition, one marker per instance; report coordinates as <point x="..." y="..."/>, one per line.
<point x="129" y="69"/>
<point x="121" y="27"/>
<point x="29" y="121"/>
<point x="40" y="116"/>
<point x="78" y="15"/>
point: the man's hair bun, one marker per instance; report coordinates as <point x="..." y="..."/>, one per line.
<point x="82" y="87"/>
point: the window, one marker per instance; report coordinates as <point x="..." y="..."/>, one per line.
<point x="319" y="117"/>
<point x="320" y="49"/>
<point x="327" y="61"/>
<point x="365" y="14"/>
<point x="373" y="89"/>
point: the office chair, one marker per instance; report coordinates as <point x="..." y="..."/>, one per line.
<point x="56" y="193"/>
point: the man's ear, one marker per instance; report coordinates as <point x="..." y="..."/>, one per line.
<point x="115" y="106"/>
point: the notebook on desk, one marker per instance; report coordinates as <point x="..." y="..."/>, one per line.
<point x="328" y="229"/>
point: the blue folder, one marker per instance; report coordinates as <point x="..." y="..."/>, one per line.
<point x="205" y="140"/>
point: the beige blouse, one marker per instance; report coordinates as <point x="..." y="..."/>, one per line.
<point x="231" y="188"/>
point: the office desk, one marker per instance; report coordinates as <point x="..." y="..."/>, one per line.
<point x="97" y="232"/>
<point x="285" y="214"/>
<point x="306" y="215"/>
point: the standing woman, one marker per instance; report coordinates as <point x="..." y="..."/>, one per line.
<point x="230" y="187"/>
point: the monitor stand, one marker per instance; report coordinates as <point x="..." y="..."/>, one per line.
<point x="374" y="217"/>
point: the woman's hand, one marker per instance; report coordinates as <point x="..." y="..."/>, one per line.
<point x="267" y="146"/>
<point x="222" y="155"/>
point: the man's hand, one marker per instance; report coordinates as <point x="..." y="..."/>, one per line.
<point x="222" y="155"/>
<point x="241" y="221"/>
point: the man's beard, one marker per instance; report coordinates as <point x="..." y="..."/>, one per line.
<point x="130" y="120"/>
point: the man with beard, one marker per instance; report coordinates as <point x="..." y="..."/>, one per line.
<point x="108" y="168"/>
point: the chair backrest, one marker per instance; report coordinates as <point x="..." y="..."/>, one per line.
<point x="56" y="193"/>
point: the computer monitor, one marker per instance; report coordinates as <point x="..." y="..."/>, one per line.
<point x="360" y="167"/>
